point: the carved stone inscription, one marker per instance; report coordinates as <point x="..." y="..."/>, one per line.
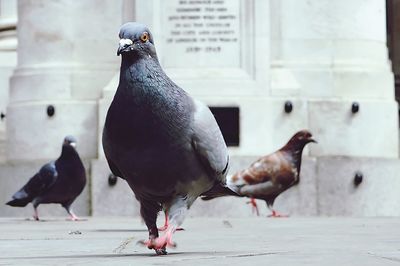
<point x="201" y="33"/>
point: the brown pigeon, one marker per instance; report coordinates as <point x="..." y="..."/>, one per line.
<point x="267" y="177"/>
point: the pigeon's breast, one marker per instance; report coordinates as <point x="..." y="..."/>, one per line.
<point x="141" y="123"/>
<point x="149" y="141"/>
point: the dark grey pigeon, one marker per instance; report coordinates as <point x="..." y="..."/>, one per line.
<point x="60" y="181"/>
<point x="166" y="145"/>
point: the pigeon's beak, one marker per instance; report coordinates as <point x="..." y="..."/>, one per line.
<point x="312" y="140"/>
<point x="73" y="144"/>
<point x="124" y="46"/>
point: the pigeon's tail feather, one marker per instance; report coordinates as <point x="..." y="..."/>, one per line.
<point x="18" y="202"/>
<point x="20" y="199"/>
<point x="217" y="191"/>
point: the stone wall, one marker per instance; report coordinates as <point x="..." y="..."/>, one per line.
<point x="327" y="58"/>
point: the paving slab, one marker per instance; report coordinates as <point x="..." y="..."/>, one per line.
<point x="205" y="241"/>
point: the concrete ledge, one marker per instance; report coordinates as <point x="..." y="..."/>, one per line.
<point x="111" y="200"/>
<point x="326" y="188"/>
<point x="377" y="195"/>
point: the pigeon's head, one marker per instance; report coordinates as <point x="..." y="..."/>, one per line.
<point x="136" y="39"/>
<point x="303" y="136"/>
<point x="69" y="141"/>
<point x="300" y="139"/>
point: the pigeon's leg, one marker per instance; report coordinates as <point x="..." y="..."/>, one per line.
<point x="72" y="216"/>
<point x="176" y="214"/>
<point x="275" y="214"/>
<point x="148" y="211"/>
<point x="254" y="206"/>
<point x="165" y="226"/>
<point x="35" y="213"/>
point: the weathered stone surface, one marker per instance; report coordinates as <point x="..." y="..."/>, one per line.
<point x="110" y="200"/>
<point x="65" y="63"/>
<point x="377" y="194"/>
<point x="371" y="132"/>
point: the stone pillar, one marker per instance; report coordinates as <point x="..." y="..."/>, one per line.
<point x="334" y="53"/>
<point x="8" y="60"/>
<point x="66" y="55"/>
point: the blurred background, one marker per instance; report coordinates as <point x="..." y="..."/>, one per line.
<point x="266" y="68"/>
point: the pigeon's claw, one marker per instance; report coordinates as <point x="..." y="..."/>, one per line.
<point x="163" y="228"/>
<point x="161" y="251"/>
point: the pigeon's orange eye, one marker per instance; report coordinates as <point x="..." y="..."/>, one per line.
<point x="144" y="37"/>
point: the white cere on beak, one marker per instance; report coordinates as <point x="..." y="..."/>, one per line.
<point x="73" y="144"/>
<point x="123" y="42"/>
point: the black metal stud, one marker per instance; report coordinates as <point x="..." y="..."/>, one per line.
<point x="2" y="115"/>
<point x="288" y="107"/>
<point x="112" y="180"/>
<point x="50" y="110"/>
<point x="358" y="178"/>
<point x="355" y="107"/>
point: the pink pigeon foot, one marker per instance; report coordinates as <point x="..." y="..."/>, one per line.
<point x="159" y="244"/>
<point x="275" y="214"/>
<point x="73" y="217"/>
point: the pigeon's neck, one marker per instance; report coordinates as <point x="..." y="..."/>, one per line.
<point x="132" y="60"/>
<point x="139" y="70"/>
<point x="295" y="152"/>
<point x="146" y="83"/>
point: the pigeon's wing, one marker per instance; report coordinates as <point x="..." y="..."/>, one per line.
<point x="36" y="186"/>
<point x="260" y="190"/>
<point x="208" y="142"/>
<point x="265" y="169"/>
<point x="41" y="182"/>
<point x="267" y="176"/>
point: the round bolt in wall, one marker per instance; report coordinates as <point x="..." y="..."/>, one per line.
<point x="358" y="178"/>
<point x="288" y="107"/>
<point x="51" y="110"/>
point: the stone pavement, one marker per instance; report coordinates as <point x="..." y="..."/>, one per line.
<point x="205" y="241"/>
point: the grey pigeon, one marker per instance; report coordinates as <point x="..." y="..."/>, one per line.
<point x="60" y="181"/>
<point x="267" y="177"/>
<point x="166" y="145"/>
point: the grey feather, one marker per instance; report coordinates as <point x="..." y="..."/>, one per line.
<point x="208" y="141"/>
